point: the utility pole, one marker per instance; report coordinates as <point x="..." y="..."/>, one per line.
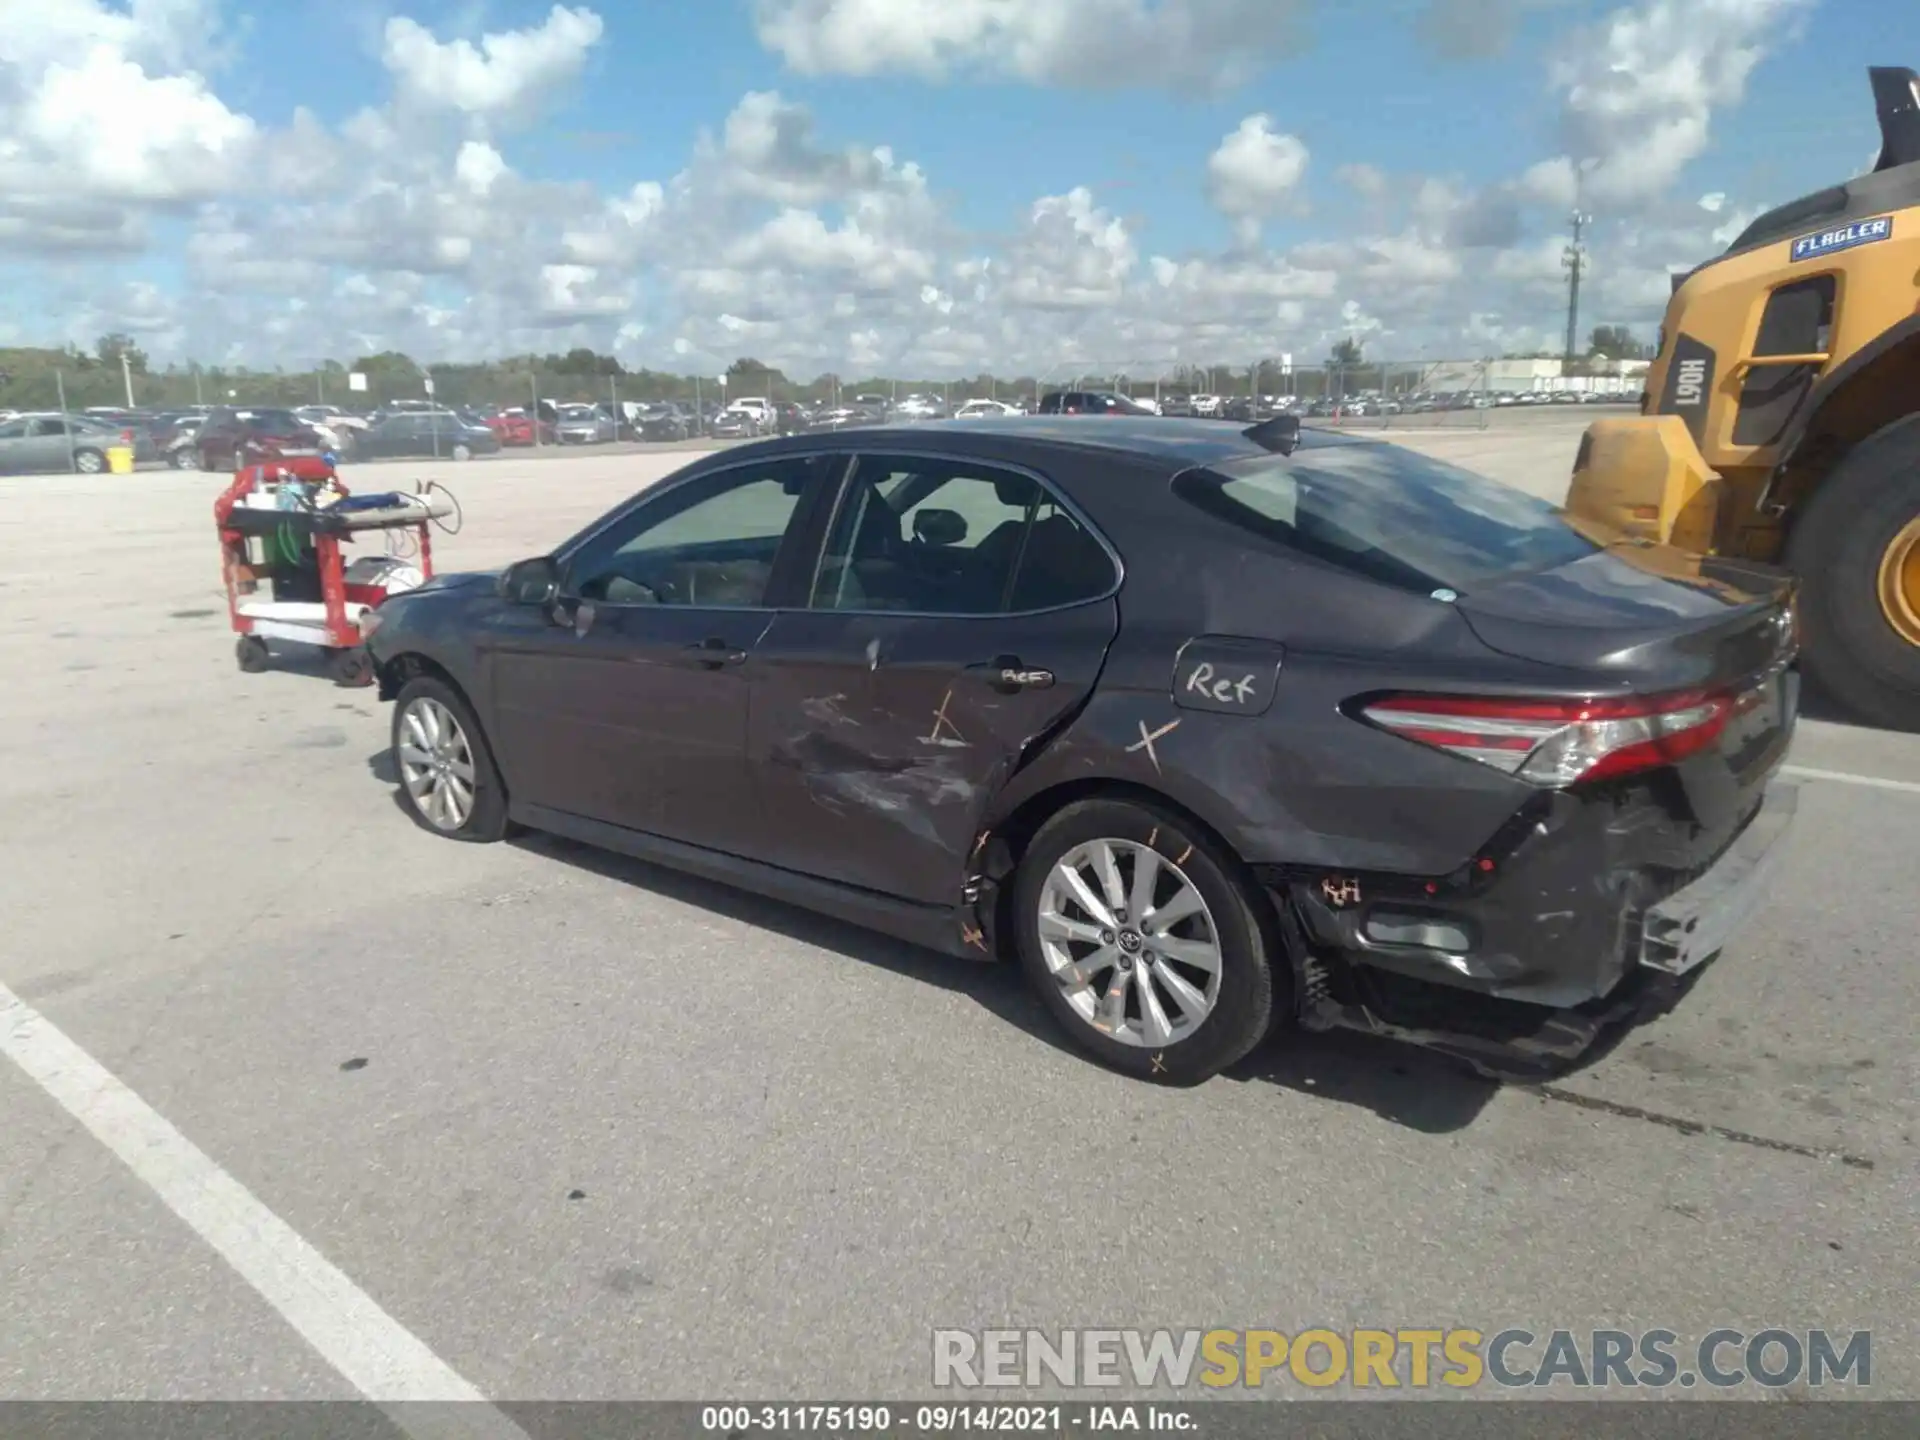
<point x="1575" y="261"/>
<point x="126" y="375"/>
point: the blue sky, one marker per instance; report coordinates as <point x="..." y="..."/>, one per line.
<point x="328" y="183"/>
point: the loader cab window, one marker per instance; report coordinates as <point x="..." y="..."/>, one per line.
<point x="1798" y="320"/>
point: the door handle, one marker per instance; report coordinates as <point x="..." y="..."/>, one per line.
<point x="1008" y="675"/>
<point x="714" y="652"/>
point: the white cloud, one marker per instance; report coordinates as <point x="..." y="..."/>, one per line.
<point x="800" y="241"/>
<point x="810" y="250"/>
<point x="507" y="74"/>
<point x="1183" y="44"/>
<point x="478" y="166"/>
<point x="1639" y="90"/>
<point x="1254" y="172"/>
<point x="768" y="150"/>
<point x="101" y="124"/>
<point x="1073" y="256"/>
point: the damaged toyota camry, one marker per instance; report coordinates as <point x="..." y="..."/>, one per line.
<point x="1209" y="730"/>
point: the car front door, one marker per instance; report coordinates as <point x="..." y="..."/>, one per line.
<point x="625" y="701"/>
<point x="959" y="612"/>
<point x="50" y="445"/>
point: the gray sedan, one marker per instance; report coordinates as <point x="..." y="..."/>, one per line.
<point x="584" y="425"/>
<point x="53" y="444"/>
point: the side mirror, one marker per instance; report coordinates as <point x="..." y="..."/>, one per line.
<point x="530" y="582"/>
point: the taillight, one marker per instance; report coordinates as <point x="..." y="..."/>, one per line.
<point x="1559" y="742"/>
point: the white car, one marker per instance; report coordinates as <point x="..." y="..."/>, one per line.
<point x="1207" y="406"/>
<point x="985" y="410"/>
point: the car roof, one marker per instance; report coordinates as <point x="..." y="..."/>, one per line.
<point x="1180" y="443"/>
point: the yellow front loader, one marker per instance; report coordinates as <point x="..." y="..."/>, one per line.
<point x="1781" y="419"/>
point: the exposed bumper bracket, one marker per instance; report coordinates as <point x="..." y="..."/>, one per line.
<point x="1695" y="923"/>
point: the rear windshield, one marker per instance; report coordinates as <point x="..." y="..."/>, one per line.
<point x="1388" y="514"/>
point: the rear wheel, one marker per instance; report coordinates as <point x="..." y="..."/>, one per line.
<point x="448" y="781"/>
<point x="462" y="452"/>
<point x="1142" y="939"/>
<point x="1856" y="550"/>
<point x="89" y="462"/>
<point x="185" y="459"/>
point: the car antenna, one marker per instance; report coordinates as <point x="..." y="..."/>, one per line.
<point x="1281" y="434"/>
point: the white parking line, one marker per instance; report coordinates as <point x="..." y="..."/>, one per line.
<point x="1844" y="777"/>
<point x="379" y="1356"/>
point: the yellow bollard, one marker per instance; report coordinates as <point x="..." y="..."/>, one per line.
<point x="119" y="459"/>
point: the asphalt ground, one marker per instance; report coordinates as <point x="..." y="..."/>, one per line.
<point x="365" y="1110"/>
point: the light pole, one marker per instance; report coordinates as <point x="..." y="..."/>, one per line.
<point x="126" y="375"/>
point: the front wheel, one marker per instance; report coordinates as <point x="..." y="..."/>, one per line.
<point x="1143" y="940"/>
<point x="251" y="654"/>
<point x="462" y="452"/>
<point x="448" y="781"/>
<point x="1856" y="550"/>
<point x="89" y="462"/>
<point x="184" y="459"/>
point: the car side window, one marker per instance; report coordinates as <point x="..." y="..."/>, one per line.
<point x="50" y="426"/>
<point x="935" y="537"/>
<point x="14" y="429"/>
<point x="710" y="542"/>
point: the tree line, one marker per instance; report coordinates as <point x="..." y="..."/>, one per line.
<point x="45" y="378"/>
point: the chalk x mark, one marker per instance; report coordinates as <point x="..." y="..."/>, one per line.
<point x="941" y="722"/>
<point x="1146" y="741"/>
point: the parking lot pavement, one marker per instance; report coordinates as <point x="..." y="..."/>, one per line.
<point x="579" y="1128"/>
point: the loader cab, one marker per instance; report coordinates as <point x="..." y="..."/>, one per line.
<point x="1756" y="340"/>
<point x="1777" y="422"/>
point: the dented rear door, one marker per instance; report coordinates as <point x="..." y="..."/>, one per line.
<point x="960" y="613"/>
<point x="878" y="741"/>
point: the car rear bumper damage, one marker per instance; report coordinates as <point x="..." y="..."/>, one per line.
<point x="1461" y="975"/>
<point x="1694" y="924"/>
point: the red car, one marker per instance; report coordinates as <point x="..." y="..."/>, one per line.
<point x="516" y="428"/>
<point x="228" y="435"/>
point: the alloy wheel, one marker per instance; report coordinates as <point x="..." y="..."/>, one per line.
<point x="436" y="763"/>
<point x="1131" y="942"/>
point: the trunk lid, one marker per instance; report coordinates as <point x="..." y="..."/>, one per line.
<point x="1647" y="618"/>
<point x="1651" y="619"/>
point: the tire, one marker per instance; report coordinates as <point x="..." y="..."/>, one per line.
<point x="251" y="654"/>
<point x="1851" y="648"/>
<point x="1240" y="990"/>
<point x="485" y="817"/>
<point x="351" y="666"/>
<point x="184" y="459"/>
<point x="462" y="452"/>
<point x="89" y="462"/>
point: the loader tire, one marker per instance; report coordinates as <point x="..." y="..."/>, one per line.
<point x="1859" y="643"/>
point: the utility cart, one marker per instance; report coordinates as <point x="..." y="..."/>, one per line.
<point x="284" y="524"/>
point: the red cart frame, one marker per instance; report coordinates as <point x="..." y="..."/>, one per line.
<point x="334" y="624"/>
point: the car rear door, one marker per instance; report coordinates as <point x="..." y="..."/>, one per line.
<point x="626" y="702"/>
<point x="16" y="447"/>
<point x="960" y="611"/>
